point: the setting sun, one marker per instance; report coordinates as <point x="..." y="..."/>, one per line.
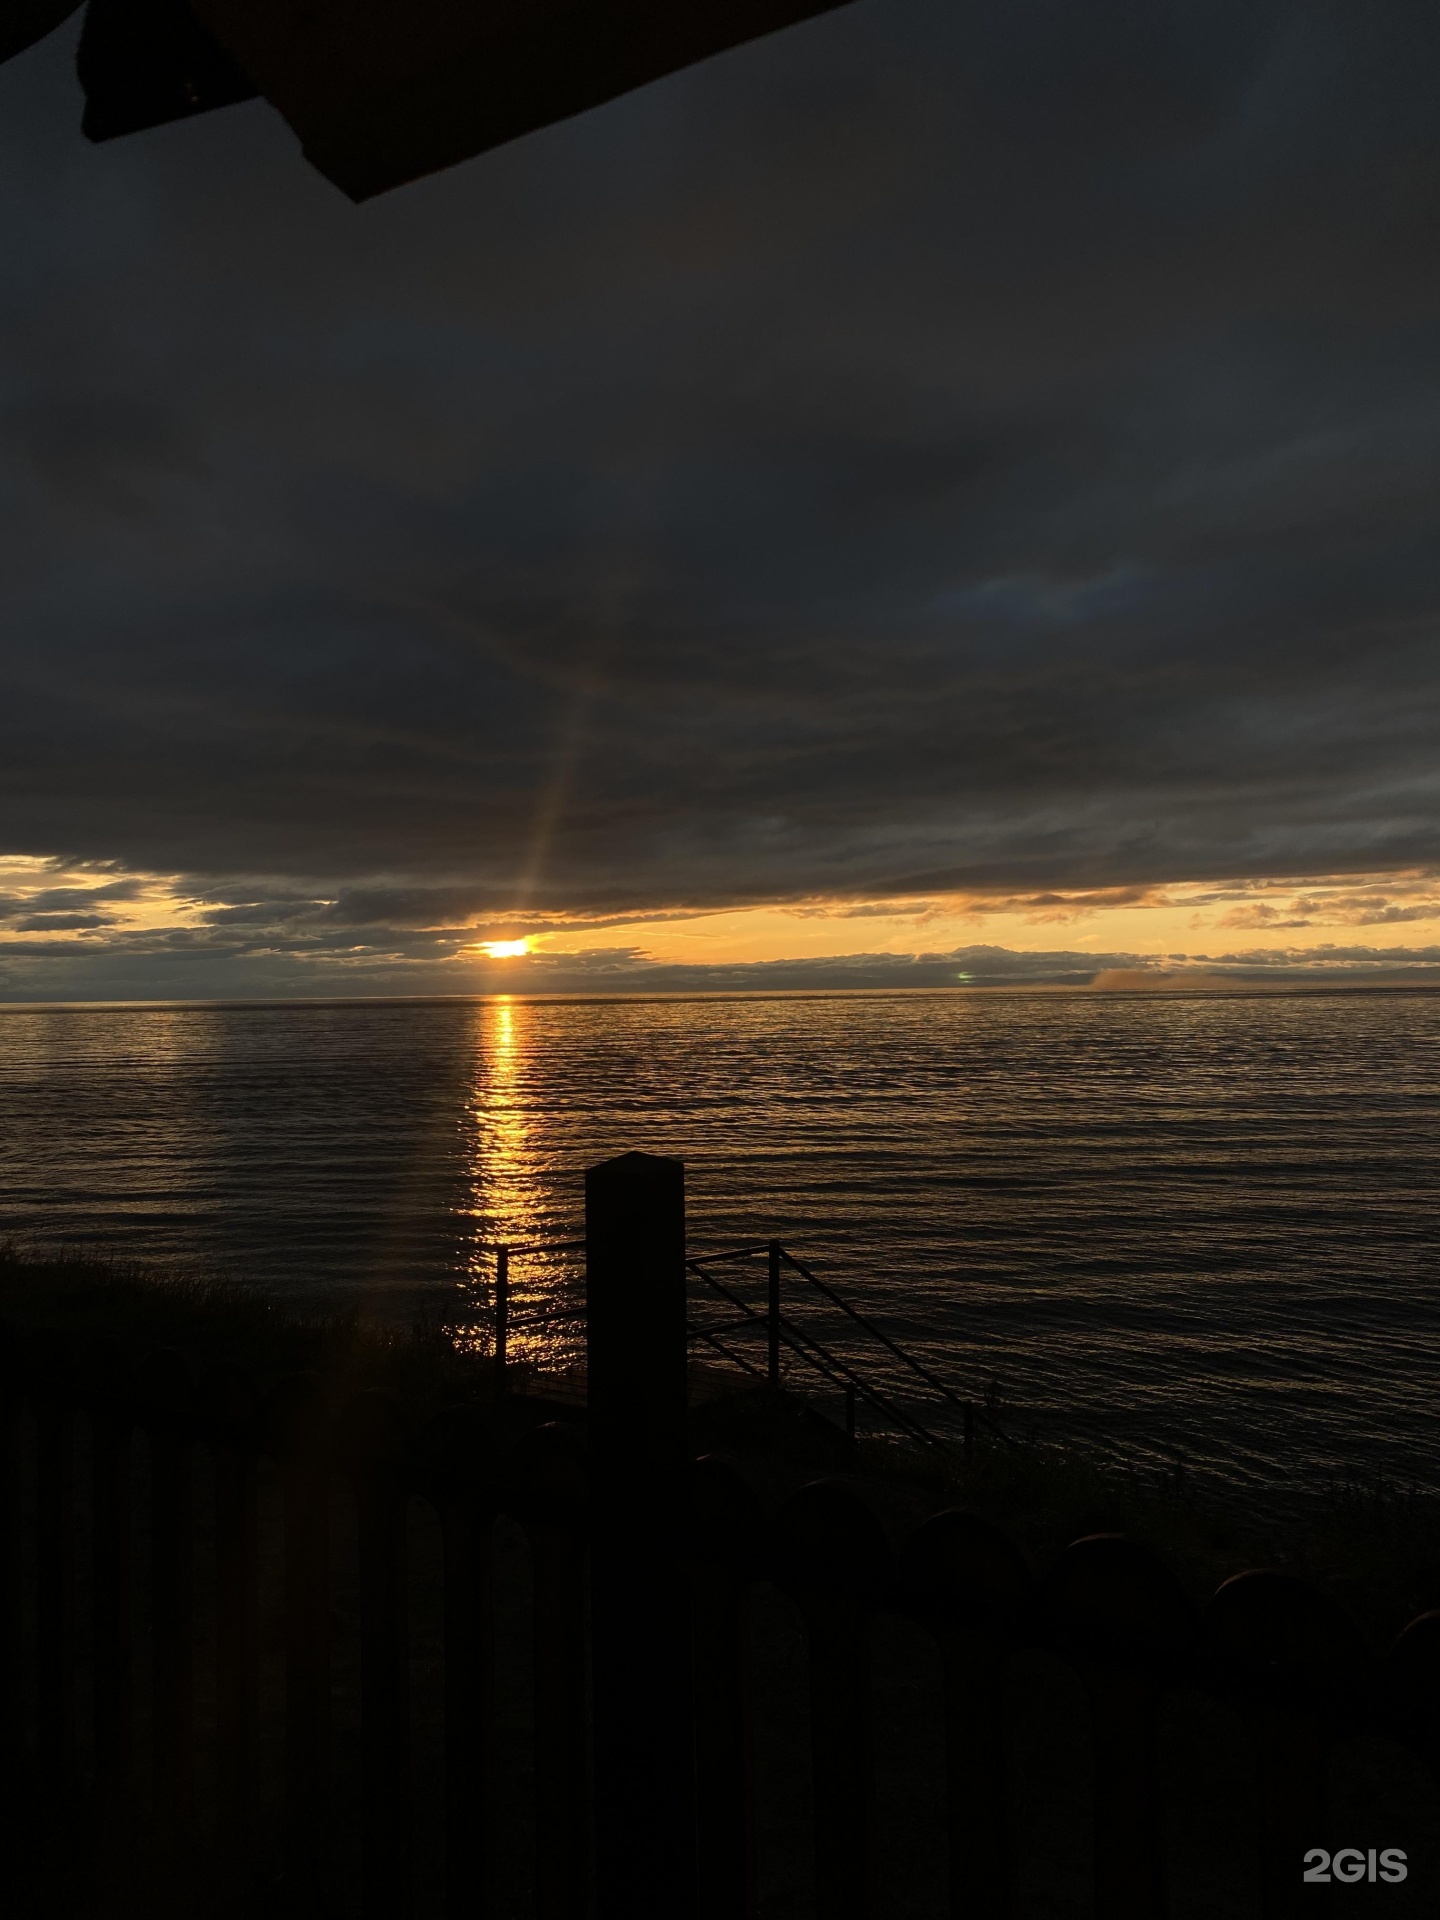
<point x="504" y="949"/>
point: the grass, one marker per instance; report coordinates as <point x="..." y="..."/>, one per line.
<point x="82" y="1299"/>
<point x="1375" y="1546"/>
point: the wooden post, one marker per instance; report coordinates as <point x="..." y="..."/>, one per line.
<point x="640" y="1616"/>
<point x="772" y="1319"/>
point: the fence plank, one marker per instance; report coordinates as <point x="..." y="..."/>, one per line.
<point x="457" y="1456"/>
<point x="971" y="1587"/>
<point x="111" y="1465"/>
<point x="727" y="1546"/>
<point x="1408" y="1690"/>
<point x="1296" y="1666"/>
<point x="469" y="1709"/>
<point x="1124" y="1621"/>
<point x="371" y="1446"/>
<point x="300" y="1436"/>
<point x="169" y="1414"/>
<point x="12" y="1726"/>
<point x="833" y="1554"/>
<point x="546" y="1486"/>
<point x="54" y="1578"/>
<point x="233" y="1414"/>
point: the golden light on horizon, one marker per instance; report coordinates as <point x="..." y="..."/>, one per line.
<point x="504" y="949"/>
<point x="1321" y="918"/>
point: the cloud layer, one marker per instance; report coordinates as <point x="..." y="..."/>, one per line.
<point x="92" y="933"/>
<point x="986" y="448"/>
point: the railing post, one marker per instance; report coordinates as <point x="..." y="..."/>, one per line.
<point x="502" y="1313"/>
<point x="772" y="1319"/>
<point x="640" y="1614"/>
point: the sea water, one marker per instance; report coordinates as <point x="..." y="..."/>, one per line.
<point x="1196" y="1224"/>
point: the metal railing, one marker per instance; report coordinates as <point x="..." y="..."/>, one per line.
<point x="270" y="1651"/>
<point x="782" y="1334"/>
<point x="503" y="1323"/>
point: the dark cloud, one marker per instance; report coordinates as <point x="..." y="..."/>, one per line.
<point x="61" y="922"/>
<point x="61" y="899"/>
<point x="987" y="446"/>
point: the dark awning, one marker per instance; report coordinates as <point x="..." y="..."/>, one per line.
<point x="382" y="91"/>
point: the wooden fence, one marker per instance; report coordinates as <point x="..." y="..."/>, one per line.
<point x="268" y="1656"/>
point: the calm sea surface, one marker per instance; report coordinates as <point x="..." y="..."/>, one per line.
<point x="1204" y="1222"/>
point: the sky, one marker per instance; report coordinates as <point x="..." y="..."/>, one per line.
<point x="943" y="495"/>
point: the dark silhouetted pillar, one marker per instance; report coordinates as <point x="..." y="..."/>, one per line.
<point x="643" y="1695"/>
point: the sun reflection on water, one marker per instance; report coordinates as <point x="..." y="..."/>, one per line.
<point x="508" y="1176"/>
